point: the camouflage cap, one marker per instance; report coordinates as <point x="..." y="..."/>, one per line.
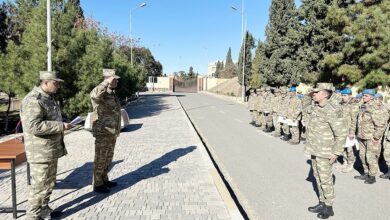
<point x="276" y="90"/>
<point x="258" y="90"/>
<point x="267" y="89"/>
<point x="323" y="86"/>
<point x="49" y="75"/>
<point x="109" y="73"/>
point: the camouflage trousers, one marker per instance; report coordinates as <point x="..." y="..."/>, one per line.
<point x="294" y="131"/>
<point x="104" y="154"/>
<point x="253" y="115"/>
<point x="369" y="155"/>
<point x="285" y="129"/>
<point x="323" y="174"/>
<point x="268" y="120"/>
<point x="349" y="156"/>
<point x="386" y="152"/>
<point x="277" y="126"/>
<point x="260" y="119"/>
<point x="43" y="177"/>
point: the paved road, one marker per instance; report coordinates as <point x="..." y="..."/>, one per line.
<point x="161" y="165"/>
<point x="272" y="178"/>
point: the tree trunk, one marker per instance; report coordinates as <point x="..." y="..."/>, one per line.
<point x="7" y="113"/>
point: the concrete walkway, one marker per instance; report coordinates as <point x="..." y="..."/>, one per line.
<point x="162" y="168"/>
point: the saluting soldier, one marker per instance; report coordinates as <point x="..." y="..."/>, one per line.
<point x="43" y="131"/>
<point x="326" y="134"/>
<point x="105" y="128"/>
<point x="372" y="122"/>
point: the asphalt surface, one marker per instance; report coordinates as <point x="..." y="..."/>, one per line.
<point x="271" y="178"/>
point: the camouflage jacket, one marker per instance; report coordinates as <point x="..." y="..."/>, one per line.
<point x="252" y="102"/>
<point x="325" y="129"/>
<point x="275" y="102"/>
<point x="106" y="111"/>
<point x="267" y="106"/>
<point x="284" y="106"/>
<point x="294" y="109"/>
<point x="372" y="121"/>
<point x="259" y="103"/>
<point x="350" y="113"/>
<point x="42" y="126"/>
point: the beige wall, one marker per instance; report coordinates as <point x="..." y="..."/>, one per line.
<point x="161" y="85"/>
<point x="209" y="83"/>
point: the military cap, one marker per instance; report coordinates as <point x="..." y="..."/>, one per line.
<point x="359" y="96"/>
<point x="346" y="91"/>
<point x="109" y="73"/>
<point x="283" y="90"/>
<point x="378" y="95"/>
<point x="292" y="89"/>
<point x="251" y="90"/>
<point x="49" y="75"/>
<point x="276" y="90"/>
<point x="323" y="86"/>
<point x="258" y="90"/>
<point x="267" y="89"/>
<point x="369" y="92"/>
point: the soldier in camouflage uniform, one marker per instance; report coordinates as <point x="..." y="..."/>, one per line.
<point x="260" y="108"/>
<point x="350" y="112"/>
<point x="284" y="112"/>
<point x="326" y="134"/>
<point x="294" y="113"/>
<point x="386" y="147"/>
<point x="105" y="128"/>
<point x="267" y="110"/>
<point x="251" y="105"/>
<point x="371" y="125"/>
<point x="257" y="111"/>
<point x="275" y="103"/>
<point x="44" y="142"/>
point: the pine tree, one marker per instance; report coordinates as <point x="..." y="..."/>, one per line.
<point x="249" y="45"/>
<point x="229" y="69"/>
<point x="258" y="65"/>
<point x="281" y="44"/>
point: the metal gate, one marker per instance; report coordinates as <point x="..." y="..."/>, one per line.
<point x="185" y="85"/>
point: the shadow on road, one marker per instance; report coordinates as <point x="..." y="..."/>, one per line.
<point x="149" y="105"/>
<point x="150" y="170"/>
<point x="131" y="127"/>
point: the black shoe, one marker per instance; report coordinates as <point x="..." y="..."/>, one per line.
<point x="370" y="180"/>
<point x="110" y="184"/>
<point x="317" y="208"/>
<point x="385" y="175"/>
<point x="56" y="214"/>
<point x="326" y="212"/>
<point x="361" y="177"/>
<point x="101" y="189"/>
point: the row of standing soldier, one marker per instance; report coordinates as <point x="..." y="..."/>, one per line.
<point x="43" y="129"/>
<point x="331" y="123"/>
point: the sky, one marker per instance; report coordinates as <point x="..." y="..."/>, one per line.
<point x="183" y="33"/>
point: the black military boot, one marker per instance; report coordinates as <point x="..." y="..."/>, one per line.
<point x="110" y="184"/>
<point x="370" y="180"/>
<point x="361" y="177"/>
<point x="385" y="175"/>
<point x="101" y="189"/>
<point x="317" y="208"/>
<point x="326" y="212"/>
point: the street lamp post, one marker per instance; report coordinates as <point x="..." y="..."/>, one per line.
<point x="131" y="34"/>
<point x="48" y="25"/>
<point x="243" y="27"/>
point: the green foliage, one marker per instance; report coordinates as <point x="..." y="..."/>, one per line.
<point x="230" y="69"/>
<point x="257" y="71"/>
<point x="249" y="45"/>
<point x="282" y="43"/>
<point x="80" y="51"/>
<point x="143" y="57"/>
